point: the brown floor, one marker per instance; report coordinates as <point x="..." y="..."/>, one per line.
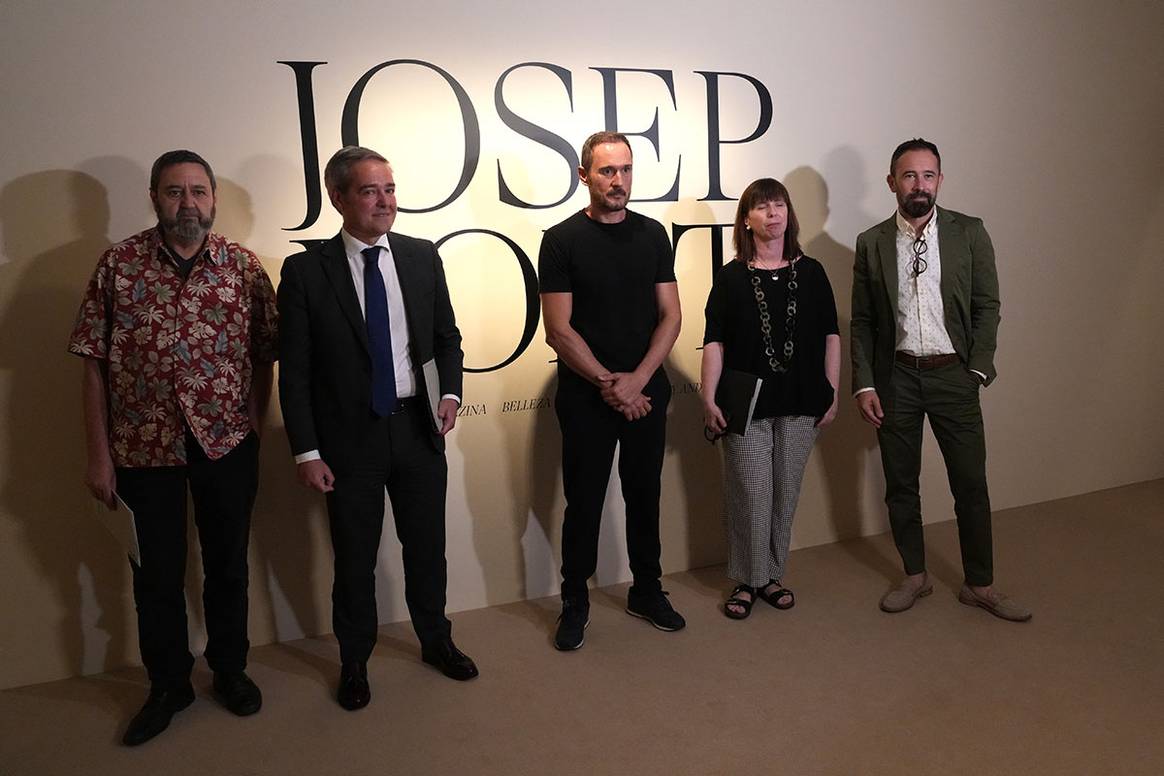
<point x="833" y="686"/>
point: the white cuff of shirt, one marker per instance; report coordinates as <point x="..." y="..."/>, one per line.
<point x="975" y="371"/>
<point x="863" y="390"/>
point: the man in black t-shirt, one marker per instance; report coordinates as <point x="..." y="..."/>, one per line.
<point x="611" y="310"/>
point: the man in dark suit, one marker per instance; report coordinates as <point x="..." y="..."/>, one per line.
<point x="372" y="343"/>
<point x="924" y="325"/>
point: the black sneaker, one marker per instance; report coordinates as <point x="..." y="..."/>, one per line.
<point x="572" y="624"/>
<point x="655" y="609"/>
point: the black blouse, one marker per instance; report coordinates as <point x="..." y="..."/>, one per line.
<point x="733" y="319"/>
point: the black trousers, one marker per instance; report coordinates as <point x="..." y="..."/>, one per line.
<point x="590" y="432"/>
<point x="396" y="453"/>
<point x="948" y="396"/>
<point x="223" y="492"/>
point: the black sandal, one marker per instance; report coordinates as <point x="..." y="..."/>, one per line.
<point x="744" y="603"/>
<point x="774" y="597"/>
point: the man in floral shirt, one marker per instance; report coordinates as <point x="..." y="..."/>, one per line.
<point x="178" y="334"/>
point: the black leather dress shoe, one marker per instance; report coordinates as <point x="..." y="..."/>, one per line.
<point x="354" y="691"/>
<point x="236" y="691"/>
<point x="451" y="661"/>
<point x="154" y="717"/>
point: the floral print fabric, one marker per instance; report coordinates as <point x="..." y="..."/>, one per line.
<point x="178" y="353"/>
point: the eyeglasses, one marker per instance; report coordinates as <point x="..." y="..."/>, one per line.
<point x="919" y="250"/>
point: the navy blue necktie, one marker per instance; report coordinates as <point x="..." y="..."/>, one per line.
<point x="379" y="335"/>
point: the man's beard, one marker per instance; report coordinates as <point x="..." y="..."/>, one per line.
<point x="188" y="227"/>
<point x="918" y="204"/>
<point x="613" y="202"/>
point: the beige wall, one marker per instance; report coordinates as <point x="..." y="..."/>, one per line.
<point x="1048" y="116"/>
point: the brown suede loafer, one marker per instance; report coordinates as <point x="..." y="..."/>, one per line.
<point x="996" y="603"/>
<point x="904" y="595"/>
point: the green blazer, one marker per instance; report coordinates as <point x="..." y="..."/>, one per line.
<point x="969" y="297"/>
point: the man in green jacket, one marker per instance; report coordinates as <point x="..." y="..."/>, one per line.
<point x="924" y="325"/>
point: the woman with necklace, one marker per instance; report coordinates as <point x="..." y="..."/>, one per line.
<point x="770" y="315"/>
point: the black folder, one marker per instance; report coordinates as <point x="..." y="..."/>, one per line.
<point x="736" y="396"/>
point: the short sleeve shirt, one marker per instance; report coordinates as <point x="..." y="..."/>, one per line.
<point x="179" y="353"/>
<point x="611" y="271"/>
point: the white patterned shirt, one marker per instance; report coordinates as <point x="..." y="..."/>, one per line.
<point x="921" y="317"/>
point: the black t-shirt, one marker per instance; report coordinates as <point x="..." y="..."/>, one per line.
<point x="734" y="320"/>
<point x="184" y="266"/>
<point x="611" y="270"/>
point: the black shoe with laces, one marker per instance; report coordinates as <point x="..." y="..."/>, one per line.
<point x="572" y="624"/>
<point x="655" y="609"/>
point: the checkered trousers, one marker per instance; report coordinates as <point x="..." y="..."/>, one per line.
<point x="762" y="474"/>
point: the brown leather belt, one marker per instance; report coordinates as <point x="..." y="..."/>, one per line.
<point x="925" y="362"/>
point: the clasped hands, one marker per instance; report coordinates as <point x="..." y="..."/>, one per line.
<point x="623" y="391"/>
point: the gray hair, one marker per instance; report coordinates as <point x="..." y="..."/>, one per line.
<point x="338" y="173"/>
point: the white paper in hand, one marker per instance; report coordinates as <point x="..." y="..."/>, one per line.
<point x="121" y="524"/>
<point x="432" y="384"/>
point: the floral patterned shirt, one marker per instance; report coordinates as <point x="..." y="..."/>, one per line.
<point x="178" y="353"/>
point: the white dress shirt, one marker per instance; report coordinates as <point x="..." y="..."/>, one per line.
<point x="397" y="320"/>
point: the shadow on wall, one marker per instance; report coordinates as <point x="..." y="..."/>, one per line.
<point x="699" y="463"/>
<point x="509" y="475"/>
<point x="533" y="464"/>
<point x="699" y="467"/>
<point x="516" y="538"/>
<point x="288" y="527"/>
<point x="78" y="565"/>
<point x="845" y="446"/>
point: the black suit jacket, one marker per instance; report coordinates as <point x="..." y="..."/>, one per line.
<point x="325" y="372"/>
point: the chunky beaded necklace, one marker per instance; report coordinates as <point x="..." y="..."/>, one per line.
<point x="774" y="361"/>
